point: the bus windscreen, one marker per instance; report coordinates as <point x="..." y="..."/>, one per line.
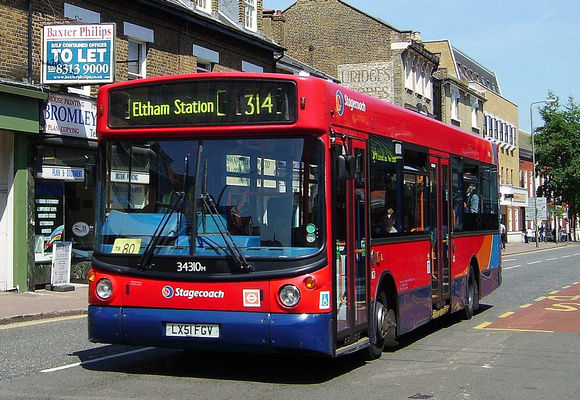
<point x="203" y="103"/>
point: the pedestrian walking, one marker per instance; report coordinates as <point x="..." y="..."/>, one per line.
<point x="503" y="238"/>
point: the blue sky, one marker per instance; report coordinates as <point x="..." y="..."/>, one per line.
<point x="533" y="46"/>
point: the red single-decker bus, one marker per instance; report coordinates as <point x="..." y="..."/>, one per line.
<point x="269" y="212"/>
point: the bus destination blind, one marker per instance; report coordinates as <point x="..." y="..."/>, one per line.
<point x="203" y="102"/>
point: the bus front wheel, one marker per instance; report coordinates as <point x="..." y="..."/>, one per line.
<point x="385" y="322"/>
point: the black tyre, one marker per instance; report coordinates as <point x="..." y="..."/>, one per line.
<point x="472" y="300"/>
<point x="385" y="327"/>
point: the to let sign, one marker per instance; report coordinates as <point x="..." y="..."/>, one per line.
<point x="78" y="54"/>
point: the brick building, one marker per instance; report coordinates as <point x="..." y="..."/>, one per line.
<point x="363" y="52"/>
<point x="461" y="103"/>
<point x="43" y="152"/>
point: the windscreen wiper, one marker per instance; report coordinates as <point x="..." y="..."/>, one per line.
<point x="236" y="253"/>
<point x="193" y="238"/>
<point x="175" y="205"/>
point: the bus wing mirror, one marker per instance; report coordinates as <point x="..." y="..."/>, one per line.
<point x="90" y="175"/>
<point x="346" y="167"/>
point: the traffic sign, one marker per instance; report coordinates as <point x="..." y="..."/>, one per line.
<point x="542" y="204"/>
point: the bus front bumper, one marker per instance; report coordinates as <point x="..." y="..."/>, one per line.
<point x="237" y="331"/>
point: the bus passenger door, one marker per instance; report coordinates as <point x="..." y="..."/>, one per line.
<point x="351" y="235"/>
<point x="439" y="228"/>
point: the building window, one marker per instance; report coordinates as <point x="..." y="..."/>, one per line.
<point x="204" y="66"/>
<point x="81" y="14"/>
<point x="506" y="133"/>
<point x="527" y="183"/>
<point x="203" y="5"/>
<point x="427" y="88"/>
<point x="417" y="75"/>
<point x="454" y="104"/>
<point x="137" y="38"/>
<point x="249" y="67"/>
<point x="486" y="126"/>
<point x="250" y="15"/>
<point x="206" y="58"/>
<point x="474" y="108"/>
<point x="137" y="57"/>
<point x="409" y="72"/>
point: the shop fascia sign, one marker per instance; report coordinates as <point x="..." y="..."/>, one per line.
<point x="78" y="54"/>
<point x="70" y="116"/>
<point x="62" y="173"/>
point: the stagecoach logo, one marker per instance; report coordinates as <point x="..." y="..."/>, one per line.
<point x="343" y="101"/>
<point x="167" y="292"/>
<point x="339" y="102"/>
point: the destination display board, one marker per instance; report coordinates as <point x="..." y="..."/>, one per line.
<point x="203" y="102"/>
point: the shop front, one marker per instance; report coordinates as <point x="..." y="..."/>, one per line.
<point x="19" y="127"/>
<point x="64" y="207"/>
<point x="513" y="201"/>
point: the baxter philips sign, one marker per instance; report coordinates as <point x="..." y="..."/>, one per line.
<point x="79" y="54"/>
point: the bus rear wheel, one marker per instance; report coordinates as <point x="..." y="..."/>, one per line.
<point x="472" y="300"/>
<point x="385" y="322"/>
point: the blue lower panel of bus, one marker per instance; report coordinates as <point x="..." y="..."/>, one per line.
<point x="238" y="331"/>
<point x="490" y="280"/>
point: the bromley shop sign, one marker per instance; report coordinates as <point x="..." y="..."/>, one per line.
<point x="78" y="54"/>
<point x="70" y="116"/>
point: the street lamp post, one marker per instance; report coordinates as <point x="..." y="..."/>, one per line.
<point x="534" y="166"/>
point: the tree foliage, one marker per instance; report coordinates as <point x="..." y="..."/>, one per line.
<point x="557" y="146"/>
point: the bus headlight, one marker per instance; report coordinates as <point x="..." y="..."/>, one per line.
<point x="104" y="288"/>
<point x="289" y="295"/>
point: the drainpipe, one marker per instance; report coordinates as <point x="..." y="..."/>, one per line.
<point x="30" y="3"/>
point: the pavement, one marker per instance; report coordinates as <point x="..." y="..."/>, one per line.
<point x="42" y="304"/>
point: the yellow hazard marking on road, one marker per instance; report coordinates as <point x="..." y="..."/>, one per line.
<point x="482" y="325"/>
<point x="507" y="314"/>
<point x="486" y="324"/>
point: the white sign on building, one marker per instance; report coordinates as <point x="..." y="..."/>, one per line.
<point x="80" y="54"/>
<point x="374" y="79"/>
<point x="62" y="173"/>
<point x="71" y="116"/>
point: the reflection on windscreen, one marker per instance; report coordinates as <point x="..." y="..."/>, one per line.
<point x="249" y="198"/>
